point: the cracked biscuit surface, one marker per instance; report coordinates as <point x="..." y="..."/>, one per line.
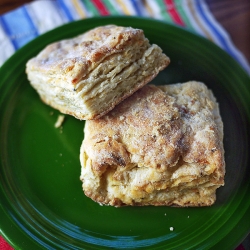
<point x="161" y="146"/>
<point x="88" y="75"/>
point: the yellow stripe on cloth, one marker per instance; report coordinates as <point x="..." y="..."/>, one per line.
<point x="124" y="7"/>
<point x="194" y="14"/>
<point x="79" y="9"/>
<point x="149" y="9"/>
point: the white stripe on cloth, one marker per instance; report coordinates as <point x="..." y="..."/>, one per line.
<point x="69" y="4"/>
<point x="186" y="5"/>
<point x="156" y="9"/>
<point x="45" y="20"/>
<point x="6" y="47"/>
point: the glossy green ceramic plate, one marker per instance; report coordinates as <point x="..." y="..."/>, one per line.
<point x="42" y="202"/>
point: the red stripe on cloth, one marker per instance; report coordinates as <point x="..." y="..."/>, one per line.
<point x="4" y="245"/>
<point x="101" y="7"/>
<point x="240" y="247"/>
<point x="170" y="6"/>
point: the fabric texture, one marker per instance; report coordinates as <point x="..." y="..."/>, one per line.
<point x="27" y="22"/>
<point x="4" y="245"/>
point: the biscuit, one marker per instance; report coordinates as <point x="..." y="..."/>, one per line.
<point x="88" y="75"/>
<point x="161" y="146"/>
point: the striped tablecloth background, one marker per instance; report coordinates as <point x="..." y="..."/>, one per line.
<point x="29" y="21"/>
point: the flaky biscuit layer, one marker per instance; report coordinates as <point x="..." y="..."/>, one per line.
<point x="88" y="75"/>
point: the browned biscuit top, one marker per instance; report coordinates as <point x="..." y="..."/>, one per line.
<point x="74" y="58"/>
<point x="152" y="127"/>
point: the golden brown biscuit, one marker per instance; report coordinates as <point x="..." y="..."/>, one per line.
<point x="88" y="75"/>
<point x="161" y="146"/>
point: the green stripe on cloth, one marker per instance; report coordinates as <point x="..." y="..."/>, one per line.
<point x="110" y="6"/>
<point x="163" y="12"/>
<point x="90" y="8"/>
<point x="182" y="12"/>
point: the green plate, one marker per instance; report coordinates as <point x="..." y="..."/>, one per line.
<point x="42" y="202"/>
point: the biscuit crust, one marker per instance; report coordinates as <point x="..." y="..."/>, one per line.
<point x="161" y="146"/>
<point x="88" y="75"/>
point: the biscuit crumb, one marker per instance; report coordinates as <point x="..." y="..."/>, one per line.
<point x="59" y="121"/>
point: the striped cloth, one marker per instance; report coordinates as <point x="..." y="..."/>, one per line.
<point x="29" y="21"/>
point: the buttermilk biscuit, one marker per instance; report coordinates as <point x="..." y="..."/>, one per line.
<point x="88" y="75"/>
<point x="161" y="146"/>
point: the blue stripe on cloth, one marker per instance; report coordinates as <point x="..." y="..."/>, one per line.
<point x="19" y="27"/>
<point x="136" y="7"/>
<point x="223" y="42"/>
<point x="222" y="36"/>
<point x="65" y="10"/>
<point x="6" y="30"/>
